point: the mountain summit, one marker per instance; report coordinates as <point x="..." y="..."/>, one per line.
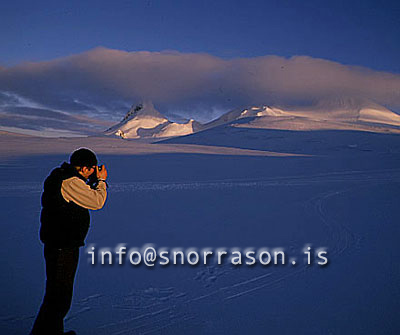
<point x="144" y="110"/>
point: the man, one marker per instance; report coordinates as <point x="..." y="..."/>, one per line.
<point x="65" y="219"/>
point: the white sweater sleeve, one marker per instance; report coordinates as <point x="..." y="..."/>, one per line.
<point x="76" y="190"/>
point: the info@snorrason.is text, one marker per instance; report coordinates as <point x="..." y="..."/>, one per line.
<point x="150" y="256"/>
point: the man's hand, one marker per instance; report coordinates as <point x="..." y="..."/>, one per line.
<point x="101" y="173"/>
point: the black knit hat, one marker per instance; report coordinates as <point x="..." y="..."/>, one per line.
<point x="83" y="157"/>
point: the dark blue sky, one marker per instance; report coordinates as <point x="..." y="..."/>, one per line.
<point x="365" y="33"/>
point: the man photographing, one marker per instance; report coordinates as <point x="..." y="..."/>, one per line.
<point x="65" y="219"/>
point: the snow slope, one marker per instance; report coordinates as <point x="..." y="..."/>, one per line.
<point x="342" y="197"/>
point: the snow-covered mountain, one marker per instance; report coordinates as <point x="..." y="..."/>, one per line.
<point x="348" y="110"/>
<point x="144" y="121"/>
<point x="343" y="113"/>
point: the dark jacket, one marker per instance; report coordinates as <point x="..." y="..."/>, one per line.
<point x="63" y="224"/>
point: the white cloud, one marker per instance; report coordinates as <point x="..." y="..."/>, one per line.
<point x="111" y="79"/>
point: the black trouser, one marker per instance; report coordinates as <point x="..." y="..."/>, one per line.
<point x="61" y="267"/>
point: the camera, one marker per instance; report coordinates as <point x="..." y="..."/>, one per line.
<point x="93" y="180"/>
